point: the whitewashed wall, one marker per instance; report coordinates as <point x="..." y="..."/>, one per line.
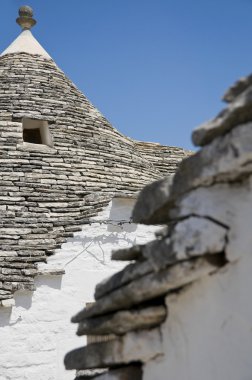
<point x="36" y="333"/>
<point x="208" y="335"/>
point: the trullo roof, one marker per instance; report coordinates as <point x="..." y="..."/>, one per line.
<point x="47" y="192"/>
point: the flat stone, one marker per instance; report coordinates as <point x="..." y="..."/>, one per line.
<point x="151" y="286"/>
<point x="192" y="237"/>
<point x="237" y="88"/>
<point x="196" y="236"/>
<point x="238" y="112"/>
<point x="129" y="273"/>
<point x="127" y="254"/>
<point x="228" y="205"/>
<point x="51" y="271"/>
<point x="123" y="321"/>
<point x="151" y="204"/>
<point x="139" y="346"/>
<point x="227" y="158"/>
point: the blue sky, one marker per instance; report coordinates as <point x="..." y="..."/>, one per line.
<point x="155" y="68"/>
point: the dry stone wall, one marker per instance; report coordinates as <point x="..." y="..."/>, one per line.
<point x="206" y="242"/>
<point x="47" y="193"/>
<point x="165" y="158"/>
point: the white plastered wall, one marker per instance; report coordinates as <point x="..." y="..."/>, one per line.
<point x="208" y="334"/>
<point x="37" y="333"/>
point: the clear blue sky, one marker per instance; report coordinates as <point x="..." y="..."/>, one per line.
<point x="155" y="68"/>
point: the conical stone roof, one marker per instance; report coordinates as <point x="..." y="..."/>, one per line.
<point x="46" y="192"/>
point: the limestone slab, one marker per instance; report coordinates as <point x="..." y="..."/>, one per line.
<point x="238" y="112"/>
<point x="124" y="321"/>
<point x="150" y="286"/>
<point x="133" y="347"/>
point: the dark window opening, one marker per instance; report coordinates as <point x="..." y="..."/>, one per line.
<point x="32" y="136"/>
<point x="36" y="132"/>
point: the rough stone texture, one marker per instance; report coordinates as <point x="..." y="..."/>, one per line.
<point x="238" y="112"/>
<point x="132" y="347"/>
<point x="237" y="88"/>
<point x="152" y="201"/>
<point x="132" y="253"/>
<point x="48" y="192"/>
<point x="150" y="287"/>
<point x="199" y="265"/>
<point x="227" y="159"/>
<point x="123" y="321"/>
<point x="165" y="158"/>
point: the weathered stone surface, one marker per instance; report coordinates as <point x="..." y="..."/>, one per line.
<point x="151" y="205"/>
<point x="165" y="158"/>
<point x="123" y="321"/>
<point x="132" y="347"/>
<point x="207" y="212"/>
<point x="127" y="254"/>
<point x="51" y="272"/>
<point x="238" y="112"/>
<point x="150" y="286"/>
<point x="126" y="275"/>
<point x="198" y="236"/>
<point x="48" y="192"/>
<point x="237" y="88"/>
<point x="191" y="237"/>
<point x="228" y="158"/>
<point x="228" y="205"/>
<point x="194" y="236"/>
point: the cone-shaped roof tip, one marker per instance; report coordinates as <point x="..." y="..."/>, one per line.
<point x="25" y="19"/>
<point x="25" y="42"/>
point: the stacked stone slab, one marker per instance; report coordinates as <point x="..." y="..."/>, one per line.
<point x="48" y="192"/>
<point x="166" y="159"/>
<point x="206" y="212"/>
<point x="45" y="192"/>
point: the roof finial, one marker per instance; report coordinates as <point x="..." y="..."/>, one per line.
<point x="25" y="19"/>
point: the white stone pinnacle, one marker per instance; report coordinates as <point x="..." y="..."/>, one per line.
<point x="26" y="43"/>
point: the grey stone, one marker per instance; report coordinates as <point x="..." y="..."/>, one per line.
<point x="128" y="274"/>
<point x="237" y="88"/>
<point x="133" y="347"/>
<point x="227" y="158"/>
<point x="238" y="112"/>
<point x="127" y="254"/>
<point x="44" y="187"/>
<point x="151" y="286"/>
<point x="123" y="321"/>
<point x="153" y="200"/>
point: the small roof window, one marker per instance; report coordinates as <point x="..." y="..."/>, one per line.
<point x="36" y="132"/>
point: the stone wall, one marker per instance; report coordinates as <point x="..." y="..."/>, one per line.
<point x="48" y="192"/>
<point x="33" y="333"/>
<point x="165" y="158"/>
<point x="181" y="309"/>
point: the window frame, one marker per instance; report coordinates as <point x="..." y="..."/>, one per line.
<point x="42" y="126"/>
